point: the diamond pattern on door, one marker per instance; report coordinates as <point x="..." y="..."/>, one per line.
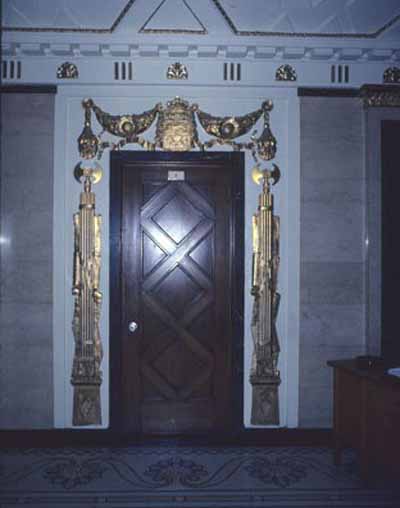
<point x="176" y="265"/>
<point x="178" y="288"/>
<point x="177" y="292"/>
<point x="177" y="218"/>
<point x="152" y="254"/>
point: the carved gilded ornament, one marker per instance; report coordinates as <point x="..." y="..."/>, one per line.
<point x="176" y="130"/>
<point x="391" y="75"/>
<point x="176" y="127"/>
<point x="379" y="96"/>
<point x="264" y="374"/>
<point x="86" y="375"/>
<point x="177" y="71"/>
<point x="67" y="70"/>
<point x="286" y="73"/>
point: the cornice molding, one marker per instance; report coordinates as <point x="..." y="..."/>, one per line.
<point x="219" y="51"/>
<point x="326" y="35"/>
<point x="380" y="96"/>
<point x="109" y="30"/>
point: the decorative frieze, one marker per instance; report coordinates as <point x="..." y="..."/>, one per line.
<point x="379" y="96"/>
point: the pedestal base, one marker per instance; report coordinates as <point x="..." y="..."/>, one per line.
<point x="265" y="403"/>
<point x="87" y="408"/>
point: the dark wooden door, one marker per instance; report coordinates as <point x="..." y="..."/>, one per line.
<point x="177" y="282"/>
<point x="390" y="179"/>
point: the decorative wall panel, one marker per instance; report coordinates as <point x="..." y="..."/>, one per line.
<point x="64" y="16"/>
<point x="173" y="17"/>
<point x="334" y="18"/>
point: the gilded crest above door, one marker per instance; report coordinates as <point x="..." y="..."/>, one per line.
<point x="177" y="129"/>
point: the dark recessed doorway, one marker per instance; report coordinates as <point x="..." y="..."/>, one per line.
<point x="390" y="135"/>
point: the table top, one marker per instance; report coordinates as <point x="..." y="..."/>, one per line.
<point x="375" y="373"/>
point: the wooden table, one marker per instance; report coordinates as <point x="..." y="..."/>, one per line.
<point x="367" y="418"/>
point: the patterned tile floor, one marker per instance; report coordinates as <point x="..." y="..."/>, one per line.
<point x="184" y="477"/>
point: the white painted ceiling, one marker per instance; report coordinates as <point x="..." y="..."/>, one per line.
<point x="261" y="18"/>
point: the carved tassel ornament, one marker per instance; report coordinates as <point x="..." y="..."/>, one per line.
<point x="264" y="375"/>
<point x="86" y="374"/>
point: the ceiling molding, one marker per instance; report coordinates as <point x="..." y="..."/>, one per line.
<point x="201" y="31"/>
<point x="330" y="35"/>
<point x="109" y="30"/>
<point x="219" y="51"/>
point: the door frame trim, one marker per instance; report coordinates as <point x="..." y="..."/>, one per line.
<point x="117" y="161"/>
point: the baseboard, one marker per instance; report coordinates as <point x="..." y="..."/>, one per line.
<point x="243" y="437"/>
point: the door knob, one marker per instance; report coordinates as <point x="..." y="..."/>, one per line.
<point x="132" y="326"/>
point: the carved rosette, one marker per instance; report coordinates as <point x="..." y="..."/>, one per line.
<point x="286" y="73"/>
<point x="86" y="373"/>
<point x="177" y="71"/>
<point x="67" y="70"/>
<point x="391" y="75"/>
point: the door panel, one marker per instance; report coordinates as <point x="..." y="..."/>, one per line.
<point x="176" y="258"/>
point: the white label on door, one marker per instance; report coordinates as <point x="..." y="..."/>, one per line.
<point x="176" y="175"/>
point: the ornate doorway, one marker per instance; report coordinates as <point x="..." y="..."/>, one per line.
<point x="176" y="282"/>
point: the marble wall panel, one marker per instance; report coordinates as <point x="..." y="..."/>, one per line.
<point x="26" y="205"/>
<point x="330" y="325"/>
<point x="26" y="173"/>
<point x="332" y="283"/>
<point x="316" y="372"/>
<point x="26" y="281"/>
<point x="333" y="248"/>
<point x="28" y="114"/>
<point x="331" y="218"/>
<point x="331" y="138"/>
<point x="20" y="322"/>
